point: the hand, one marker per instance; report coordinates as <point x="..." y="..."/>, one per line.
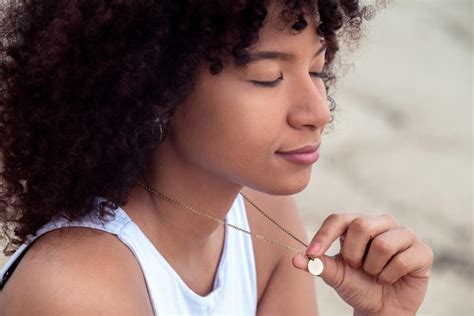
<point x="381" y="269"/>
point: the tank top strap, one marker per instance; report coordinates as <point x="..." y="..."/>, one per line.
<point x="90" y="220"/>
<point x="111" y="225"/>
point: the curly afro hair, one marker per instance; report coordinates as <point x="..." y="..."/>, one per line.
<point x="82" y="81"/>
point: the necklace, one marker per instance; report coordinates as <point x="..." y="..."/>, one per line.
<point x="315" y="265"/>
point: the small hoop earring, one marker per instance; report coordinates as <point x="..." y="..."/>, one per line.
<point x="160" y="126"/>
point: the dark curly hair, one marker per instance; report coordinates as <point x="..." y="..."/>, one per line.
<point x="82" y="81"/>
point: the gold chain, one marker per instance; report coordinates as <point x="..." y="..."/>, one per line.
<point x="220" y="221"/>
<point x="273" y="221"/>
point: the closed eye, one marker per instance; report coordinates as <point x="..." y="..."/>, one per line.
<point x="270" y="84"/>
<point x="321" y="75"/>
<point x="267" y="83"/>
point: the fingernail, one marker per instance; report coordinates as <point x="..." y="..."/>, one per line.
<point x="313" y="249"/>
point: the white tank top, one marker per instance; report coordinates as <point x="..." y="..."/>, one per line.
<point x="235" y="284"/>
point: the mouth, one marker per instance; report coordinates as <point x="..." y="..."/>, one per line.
<point x="304" y="156"/>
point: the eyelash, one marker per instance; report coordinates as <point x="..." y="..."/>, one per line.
<point x="271" y="84"/>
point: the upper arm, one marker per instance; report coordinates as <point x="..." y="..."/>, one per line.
<point x="79" y="278"/>
<point x="289" y="291"/>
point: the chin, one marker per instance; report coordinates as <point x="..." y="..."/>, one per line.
<point x="285" y="186"/>
<point x="289" y="190"/>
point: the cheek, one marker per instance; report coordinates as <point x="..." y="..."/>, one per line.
<point x="226" y="136"/>
<point x="225" y="116"/>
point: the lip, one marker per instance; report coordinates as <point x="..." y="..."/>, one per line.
<point x="306" y="155"/>
<point x="302" y="150"/>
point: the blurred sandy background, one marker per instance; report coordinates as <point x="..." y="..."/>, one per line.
<point x="402" y="143"/>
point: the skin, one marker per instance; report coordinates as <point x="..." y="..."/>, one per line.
<point x="223" y="140"/>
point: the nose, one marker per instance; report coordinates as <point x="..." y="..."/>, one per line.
<point x="310" y="107"/>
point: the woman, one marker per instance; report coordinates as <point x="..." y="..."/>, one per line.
<point x="132" y="130"/>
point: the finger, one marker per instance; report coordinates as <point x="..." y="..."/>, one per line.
<point x="333" y="226"/>
<point x="385" y="246"/>
<point x="416" y="261"/>
<point x="301" y="262"/>
<point x="332" y="272"/>
<point x="337" y="274"/>
<point x="359" y="234"/>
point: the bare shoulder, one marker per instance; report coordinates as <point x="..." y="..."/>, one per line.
<point x="76" y="270"/>
<point x="282" y="288"/>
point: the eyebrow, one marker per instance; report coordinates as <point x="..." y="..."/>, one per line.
<point x="255" y="56"/>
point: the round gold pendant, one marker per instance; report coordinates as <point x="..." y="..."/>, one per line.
<point x="315" y="266"/>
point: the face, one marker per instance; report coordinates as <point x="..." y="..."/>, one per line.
<point x="233" y="126"/>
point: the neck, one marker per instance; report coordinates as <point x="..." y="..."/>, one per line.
<point x="171" y="227"/>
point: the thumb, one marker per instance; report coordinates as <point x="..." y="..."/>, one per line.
<point x="333" y="268"/>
